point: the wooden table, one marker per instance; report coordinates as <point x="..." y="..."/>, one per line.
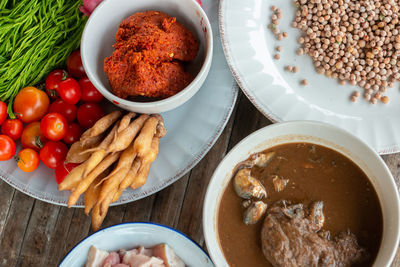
<point x="35" y="233"/>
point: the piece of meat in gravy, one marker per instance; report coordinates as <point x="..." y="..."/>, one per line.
<point x="291" y="236"/>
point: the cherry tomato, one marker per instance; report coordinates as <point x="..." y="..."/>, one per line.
<point x="54" y="126"/>
<point x="28" y="160"/>
<point x="3" y="112"/>
<point x="74" y="65"/>
<point x="62" y="170"/>
<point x="65" y="109"/>
<point x="53" y="80"/>
<point x="7" y="147"/>
<point x="32" y="136"/>
<point x="12" y="128"/>
<point x="31" y="104"/>
<point x="70" y="91"/>
<point x="88" y="114"/>
<point x="53" y="154"/>
<point x="74" y="132"/>
<point x="89" y="92"/>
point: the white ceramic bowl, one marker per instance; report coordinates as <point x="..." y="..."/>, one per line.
<point x="131" y="235"/>
<point x="99" y="36"/>
<point x="312" y="132"/>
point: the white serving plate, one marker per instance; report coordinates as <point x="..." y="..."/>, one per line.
<point x="317" y="133"/>
<point x="130" y="235"/>
<point x="249" y="48"/>
<point x="193" y="128"/>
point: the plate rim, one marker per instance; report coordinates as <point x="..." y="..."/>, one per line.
<point x="391" y="149"/>
<point x="234" y="90"/>
<point x="109" y="228"/>
<point x="208" y="144"/>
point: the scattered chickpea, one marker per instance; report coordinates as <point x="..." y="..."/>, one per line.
<point x="300" y="51"/>
<point x="373" y="100"/>
<point x="353" y="98"/>
<point x="279" y="48"/>
<point x="289" y="68"/>
<point x="385" y="99"/>
<point x="277" y="56"/>
<point x="280" y="36"/>
<point x="342" y="82"/>
<point x="356" y="93"/>
<point x="295" y="69"/>
<point x="304" y="82"/>
<point x="273" y="8"/>
<point x="285" y="34"/>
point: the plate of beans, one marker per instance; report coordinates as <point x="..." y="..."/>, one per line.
<point x="336" y="61"/>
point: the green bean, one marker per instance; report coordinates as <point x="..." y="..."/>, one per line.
<point x="36" y="36"/>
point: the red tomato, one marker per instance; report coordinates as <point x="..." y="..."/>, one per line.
<point x="74" y="132"/>
<point x="54" y="126"/>
<point x="28" y="160"/>
<point x="53" y="154"/>
<point x="88" y="114"/>
<point x="3" y="112"/>
<point x="65" y="109"/>
<point x="62" y="170"/>
<point x="53" y="80"/>
<point x="32" y="136"/>
<point x="74" y="65"/>
<point x="89" y="92"/>
<point x="12" y="128"/>
<point x="70" y="91"/>
<point x="7" y="147"/>
<point x="31" y="104"/>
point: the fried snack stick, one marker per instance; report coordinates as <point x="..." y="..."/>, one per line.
<point x="112" y="181"/>
<point x="100" y="152"/>
<point x="72" y="179"/>
<point x="160" y="130"/>
<point x="97" y="215"/>
<point x="101" y="125"/>
<point x="142" y="142"/>
<point x="78" y="152"/>
<point x="124" y="122"/>
<point x="124" y="138"/>
<point x="88" y="180"/>
<point x="92" y="193"/>
<point x="143" y="172"/>
<point x="128" y="180"/>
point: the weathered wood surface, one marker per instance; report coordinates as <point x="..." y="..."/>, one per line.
<point x="34" y="233"/>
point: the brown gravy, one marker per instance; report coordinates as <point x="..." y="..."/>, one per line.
<point x="315" y="173"/>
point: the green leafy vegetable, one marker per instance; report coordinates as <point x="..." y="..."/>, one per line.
<point x="36" y="36"/>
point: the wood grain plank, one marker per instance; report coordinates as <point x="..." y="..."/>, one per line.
<point x="168" y="203"/>
<point x="140" y="210"/>
<point x="38" y="234"/>
<point x="190" y="219"/>
<point x="6" y="196"/>
<point x="57" y="246"/>
<point x="14" y="229"/>
<point x="78" y="229"/>
<point x="247" y="120"/>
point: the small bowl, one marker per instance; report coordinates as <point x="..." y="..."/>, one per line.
<point x="99" y="36"/>
<point x="321" y="134"/>
<point x="130" y="235"/>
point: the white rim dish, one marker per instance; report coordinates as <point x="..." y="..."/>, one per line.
<point x="192" y="129"/>
<point x="250" y="46"/>
<point x="99" y="36"/>
<point x="311" y="132"/>
<point x="130" y="235"/>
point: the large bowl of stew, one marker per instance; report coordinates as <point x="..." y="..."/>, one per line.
<point x="302" y="193"/>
